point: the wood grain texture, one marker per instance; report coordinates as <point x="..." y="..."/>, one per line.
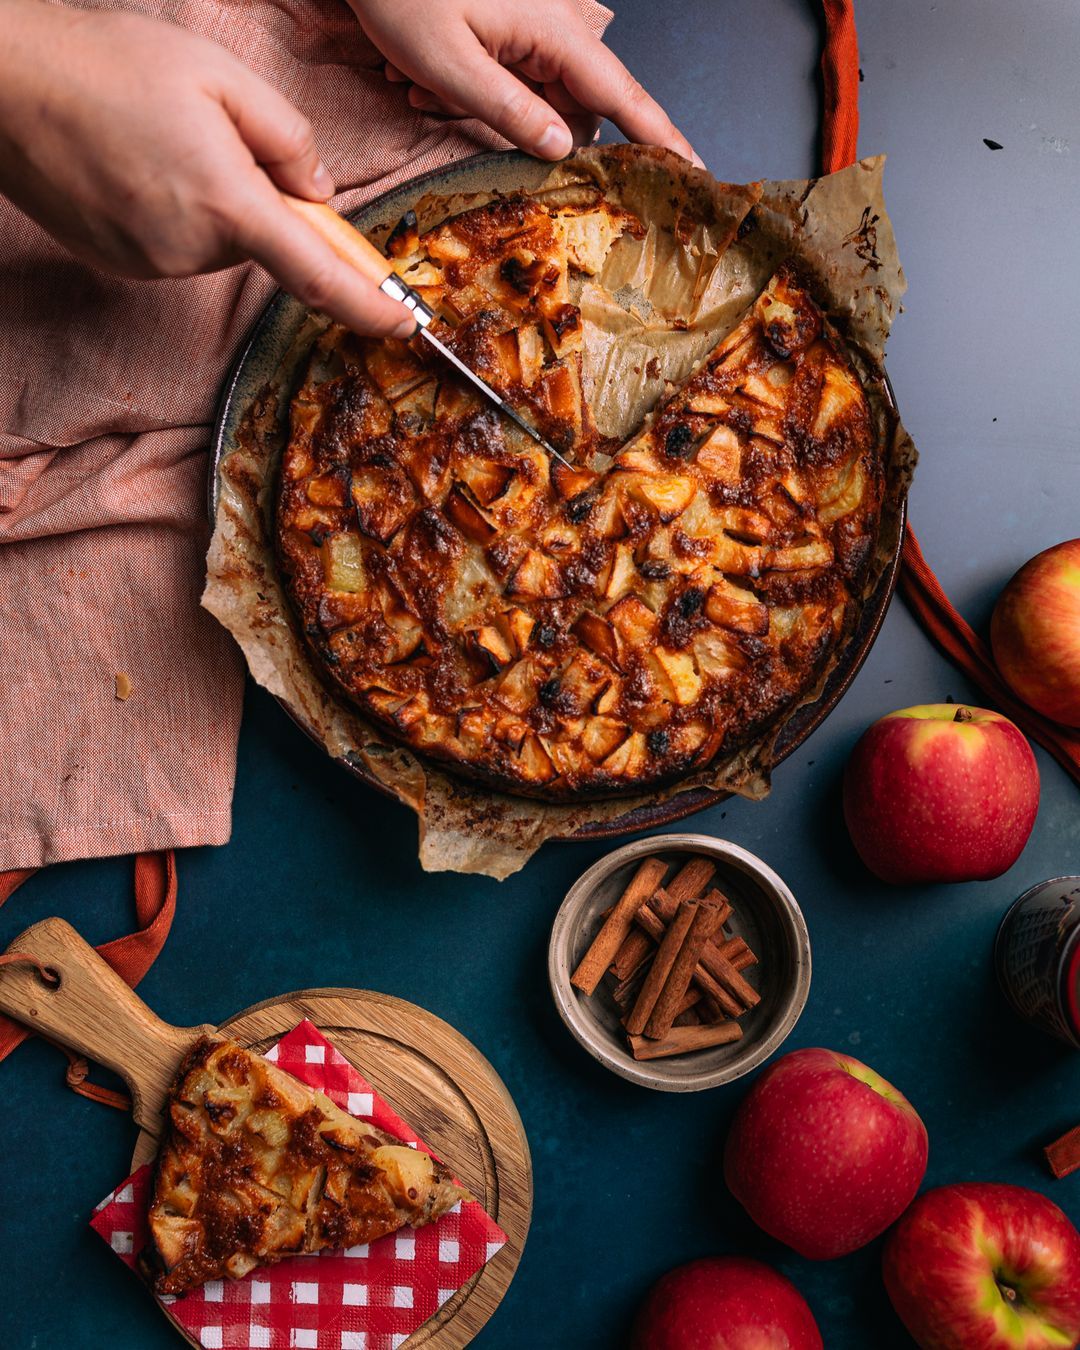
<point x="95" y="1013"/>
<point x="429" y="1073"/>
<point x="440" y="1083"/>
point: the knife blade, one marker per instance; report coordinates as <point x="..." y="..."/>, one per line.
<point x="484" y="387"/>
<point x="351" y="246"/>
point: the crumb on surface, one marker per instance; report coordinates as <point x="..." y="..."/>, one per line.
<point x="123" y="686"/>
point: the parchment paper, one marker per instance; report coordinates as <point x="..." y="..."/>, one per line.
<point x="659" y="305"/>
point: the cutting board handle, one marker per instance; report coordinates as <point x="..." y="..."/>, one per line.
<point x="93" y="1012"/>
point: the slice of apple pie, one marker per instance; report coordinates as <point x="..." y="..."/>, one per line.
<point x="571" y="633"/>
<point x="254" y="1166"/>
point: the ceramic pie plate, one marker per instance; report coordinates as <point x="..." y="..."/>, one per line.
<point x="261" y="359"/>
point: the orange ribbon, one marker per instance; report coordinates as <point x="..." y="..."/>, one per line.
<point x="131" y="956"/>
<point x="840" y="72"/>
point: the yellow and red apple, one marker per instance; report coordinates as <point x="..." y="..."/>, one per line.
<point x="941" y="792"/>
<point x="725" y="1301"/>
<point x="1035" y="633"/>
<point x="981" y="1266"/>
<point x="824" y="1154"/>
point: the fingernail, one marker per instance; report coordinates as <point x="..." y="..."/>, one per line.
<point x="697" y="161"/>
<point x="555" y="143"/>
<point x="322" y="181"/>
<point x="405" y="329"/>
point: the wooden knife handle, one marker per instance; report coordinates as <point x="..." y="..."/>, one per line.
<point x="93" y="1012"/>
<point x="348" y="243"/>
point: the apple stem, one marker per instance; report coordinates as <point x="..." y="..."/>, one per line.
<point x="962" y="715"/>
<point x="1007" y="1291"/>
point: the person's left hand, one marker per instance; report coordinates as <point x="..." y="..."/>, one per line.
<point x="530" y="69"/>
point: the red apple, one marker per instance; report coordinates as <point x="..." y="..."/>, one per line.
<point x="981" y="1266"/>
<point x="1035" y="633"/>
<point x="725" y="1303"/>
<point x="824" y="1154"/>
<point x="941" y="792"/>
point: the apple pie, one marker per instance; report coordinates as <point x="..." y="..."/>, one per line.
<point x="566" y="633"/>
<point x="255" y="1167"/>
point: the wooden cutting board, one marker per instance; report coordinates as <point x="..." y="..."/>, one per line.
<point x="430" y="1074"/>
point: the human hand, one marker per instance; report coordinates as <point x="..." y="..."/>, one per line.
<point x="533" y="71"/>
<point x="149" y="151"/>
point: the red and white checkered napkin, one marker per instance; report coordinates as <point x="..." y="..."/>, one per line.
<point x="366" y="1298"/>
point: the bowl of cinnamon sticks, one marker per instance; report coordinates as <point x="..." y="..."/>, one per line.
<point x="680" y="962"/>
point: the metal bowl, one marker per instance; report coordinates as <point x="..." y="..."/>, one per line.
<point x="766" y="915"/>
<point x="270" y="342"/>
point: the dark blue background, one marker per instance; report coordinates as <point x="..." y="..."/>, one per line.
<point x="320" y="885"/>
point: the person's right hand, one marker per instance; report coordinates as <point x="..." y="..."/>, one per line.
<point x="151" y="152"/>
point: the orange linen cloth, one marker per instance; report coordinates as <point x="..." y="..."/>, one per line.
<point x="107" y="394"/>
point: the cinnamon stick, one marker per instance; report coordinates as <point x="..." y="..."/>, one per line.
<point x="625" y="992"/>
<point x="633" y="975"/>
<point x="687" y="884"/>
<point x="690" y="1017"/>
<point x="691" y="879"/>
<point x="681" y="1040"/>
<point x="725" y="974"/>
<point x="616" y="926"/>
<point x="706" y="920"/>
<point x="726" y="1005"/>
<point x="670" y="945"/>
<point x="632" y="955"/>
<point x="1063" y="1154"/>
<point x="715" y="964"/>
<point x="653" y="926"/>
<point x="735" y="950"/>
<point x="688" y="999"/>
<point x="664" y="907"/>
<point x="665" y="910"/>
<point x="622" y="995"/>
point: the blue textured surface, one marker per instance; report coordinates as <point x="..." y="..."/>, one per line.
<point x="628" y="1182"/>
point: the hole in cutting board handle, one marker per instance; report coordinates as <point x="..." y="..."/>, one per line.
<point x="49" y="976"/>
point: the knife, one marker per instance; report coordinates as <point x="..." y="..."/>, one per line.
<point x="351" y="246"/>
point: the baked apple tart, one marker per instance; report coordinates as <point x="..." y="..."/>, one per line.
<point x="588" y="632"/>
<point x="255" y="1167"/>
